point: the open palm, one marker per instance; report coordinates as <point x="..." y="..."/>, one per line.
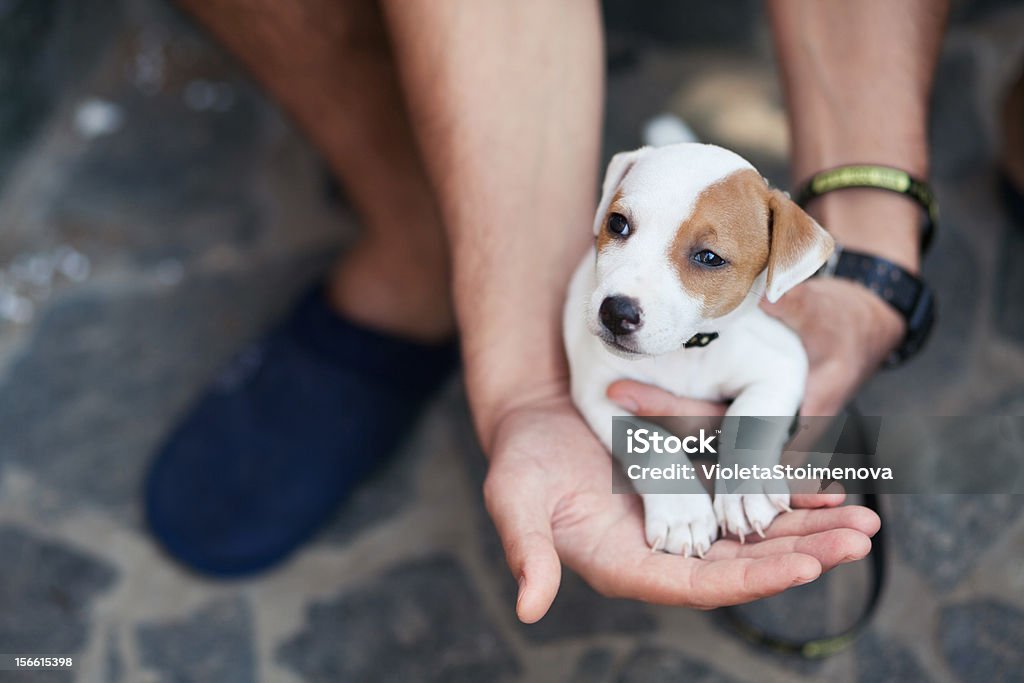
<point x="549" y="493"/>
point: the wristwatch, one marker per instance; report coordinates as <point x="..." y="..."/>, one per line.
<point x="906" y="293"/>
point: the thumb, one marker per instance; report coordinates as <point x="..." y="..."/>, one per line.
<point x="525" y="531"/>
<point x="647" y="400"/>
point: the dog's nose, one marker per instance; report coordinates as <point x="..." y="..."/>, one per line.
<point x="620" y="315"/>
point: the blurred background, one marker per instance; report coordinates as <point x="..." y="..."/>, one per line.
<point x="156" y="211"/>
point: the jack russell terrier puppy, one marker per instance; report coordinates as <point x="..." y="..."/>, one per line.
<point x="689" y="237"/>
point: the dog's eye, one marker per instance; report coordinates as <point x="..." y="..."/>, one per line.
<point x="618" y="225"/>
<point x="706" y="257"/>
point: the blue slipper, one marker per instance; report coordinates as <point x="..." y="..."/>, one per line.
<point x="285" y="433"/>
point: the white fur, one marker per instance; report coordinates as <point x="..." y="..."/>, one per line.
<point x="660" y="187"/>
<point x="757" y="361"/>
<point x="786" y="279"/>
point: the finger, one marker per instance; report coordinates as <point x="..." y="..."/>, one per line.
<point x="816" y="500"/>
<point x="807" y="522"/>
<point x="739" y="580"/>
<point x="647" y="400"/>
<point x="689" y="582"/>
<point x="830" y="548"/>
<point x="524" y="527"/>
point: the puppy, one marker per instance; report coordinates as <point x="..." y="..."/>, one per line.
<point x="689" y="237"/>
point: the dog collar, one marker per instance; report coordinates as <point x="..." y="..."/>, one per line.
<point x="700" y="339"/>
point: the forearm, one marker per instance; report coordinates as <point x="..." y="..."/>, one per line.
<point x="506" y="100"/>
<point x="857" y="77"/>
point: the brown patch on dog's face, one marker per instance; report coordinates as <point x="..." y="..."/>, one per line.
<point x="604" y="236"/>
<point x="730" y="218"/>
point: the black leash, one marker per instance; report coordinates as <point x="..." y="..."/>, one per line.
<point x="818" y="648"/>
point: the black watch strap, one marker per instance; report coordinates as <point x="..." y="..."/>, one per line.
<point x="881" y="178"/>
<point x="899" y="288"/>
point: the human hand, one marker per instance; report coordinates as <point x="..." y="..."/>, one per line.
<point x="549" y="492"/>
<point x="847" y="332"/>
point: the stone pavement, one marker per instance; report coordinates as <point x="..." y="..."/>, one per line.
<point x="156" y="211"/>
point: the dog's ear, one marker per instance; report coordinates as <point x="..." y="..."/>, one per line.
<point x="798" y="246"/>
<point x="618" y="167"/>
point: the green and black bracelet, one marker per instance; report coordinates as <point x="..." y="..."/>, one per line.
<point x="905" y="292"/>
<point x="876" y="177"/>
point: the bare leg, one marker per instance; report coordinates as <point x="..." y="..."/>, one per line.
<point x="329" y="65"/>
<point x="506" y="102"/>
<point x="857" y="77"/>
<point x="507" y="109"/>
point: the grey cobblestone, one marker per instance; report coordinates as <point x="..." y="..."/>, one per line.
<point x="881" y="661"/>
<point x="46" y="47"/>
<point x="659" y="665"/>
<point x="958" y="146"/>
<point x="113" y="661"/>
<point x="731" y="23"/>
<point x="982" y="641"/>
<point x="46" y="590"/>
<point x="942" y="536"/>
<point x="215" y="644"/>
<point x="422" y="621"/>
<point x="594" y="666"/>
<point x="1009" y="315"/>
<point x="193" y="192"/>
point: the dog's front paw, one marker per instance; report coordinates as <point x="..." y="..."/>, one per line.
<point x="680" y="523"/>
<point x="744" y="514"/>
